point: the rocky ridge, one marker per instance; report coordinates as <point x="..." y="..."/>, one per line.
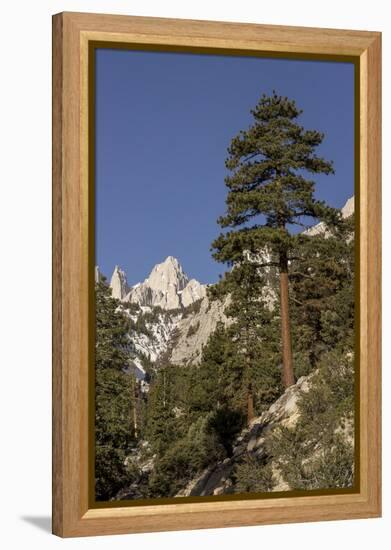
<point x="346" y="211"/>
<point x="167" y="287"/>
<point x="217" y="479"/>
<point x="193" y="331"/>
<point x="178" y="315"/>
<point x="183" y="316"/>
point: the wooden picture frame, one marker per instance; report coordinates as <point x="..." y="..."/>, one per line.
<point x="72" y="294"/>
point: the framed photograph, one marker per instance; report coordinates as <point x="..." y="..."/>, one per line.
<point x="216" y="274"/>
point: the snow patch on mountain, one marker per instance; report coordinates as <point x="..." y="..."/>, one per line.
<point x="152" y="331"/>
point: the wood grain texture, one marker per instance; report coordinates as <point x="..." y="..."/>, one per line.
<point x="57" y="437"/>
<point x="218" y="34"/>
<point x="71" y="35"/>
<point x="371" y="259"/>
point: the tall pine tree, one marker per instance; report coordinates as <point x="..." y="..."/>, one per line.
<point x="251" y="328"/>
<point x="114" y="396"/>
<point x="268" y="193"/>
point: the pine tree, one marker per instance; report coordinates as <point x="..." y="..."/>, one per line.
<point x="318" y="451"/>
<point x="267" y="187"/>
<point x="112" y="342"/>
<point x="160" y="428"/>
<point x="213" y="383"/>
<point x="252" y="321"/>
<point x="114" y="396"/>
<point x="253" y="475"/>
<point x="322" y="294"/>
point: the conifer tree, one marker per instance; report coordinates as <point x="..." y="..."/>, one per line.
<point x="322" y="291"/>
<point x="209" y="384"/>
<point x="251" y="324"/>
<point x="114" y="396"/>
<point x="161" y="415"/>
<point x="112" y="327"/>
<point x="268" y="193"/>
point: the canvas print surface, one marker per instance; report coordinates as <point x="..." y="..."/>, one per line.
<point x="224" y="275"/>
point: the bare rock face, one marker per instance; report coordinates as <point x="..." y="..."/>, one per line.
<point x="168" y="287"/>
<point x="317" y="229"/>
<point x="118" y="284"/>
<point x="348" y="209"/>
<point x="194" y="330"/>
<point x="97" y="275"/>
<point x="167" y="276"/>
<point x="216" y="479"/>
<point x="192" y="292"/>
<point x="163" y="286"/>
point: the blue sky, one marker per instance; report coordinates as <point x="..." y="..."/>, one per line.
<point x="163" y="125"/>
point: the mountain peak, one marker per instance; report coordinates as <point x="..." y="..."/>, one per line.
<point x="171" y="260"/>
<point x="168" y="279"/>
<point x="167" y="286"/>
<point x="118" y="283"/>
<point x="170" y="263"/>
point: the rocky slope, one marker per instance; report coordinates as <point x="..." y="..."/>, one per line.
<point x="179" y="334"/>
<point x="170" y="314"/>
<point x="177" y="317"/>
<point x="151" y="335"/>
<point x="193" y="331"/>
<point x="171" y="320"/>
<point x="218" y="478"/>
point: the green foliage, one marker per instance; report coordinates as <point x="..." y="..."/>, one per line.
<point x="112" y="342"/>
<point x="267" y="194"/>
<point x="192" y="309"/>
<point x="185" y="458"/>
<point x="332" y="468"/>
<point x="213" y="382"/>
<point x="191" y="422"/>
<point x="252" y="338"/>
<point x="226" y="423"/>
<point x="114" y="397"/>
<point x="267" y="164"/>
<point x="193" y="329"/>
<point x="131" y="307"/>
<point x="111" y="472"/>
<point x="317" y="453"/>
<point x="253" y="475"/>
<point x="114" y="392"/>
<point x="192" y="414"/>
<point x="160" y="423"/>
<point x="322" y="295"/>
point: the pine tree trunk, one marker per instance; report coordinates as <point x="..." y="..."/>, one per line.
<point x="288" y="378"/>
<point x="250" y="407"/>
<point x="135" y="423"/>
<point x="250" y="397"/>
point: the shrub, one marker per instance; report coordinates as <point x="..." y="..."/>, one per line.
<point x="184" y="459"/>
<point x="253" y="476"/>
<point x="193" y="329"/>
<point x="317" y="453"/>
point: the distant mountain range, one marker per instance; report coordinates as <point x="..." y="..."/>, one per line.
<point x="177" y="315"/>
<point x="167" y="286"/>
